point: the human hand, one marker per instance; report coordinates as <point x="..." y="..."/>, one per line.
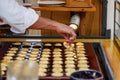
<point x="66" y="31"/>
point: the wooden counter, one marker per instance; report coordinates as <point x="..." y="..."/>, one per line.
<point x="109" y="47"/>
<point x="46" y="8"/>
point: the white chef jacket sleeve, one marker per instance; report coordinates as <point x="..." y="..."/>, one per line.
<point x="17" y="16"/>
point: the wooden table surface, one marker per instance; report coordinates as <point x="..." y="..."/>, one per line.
<point x="109" y="47"/>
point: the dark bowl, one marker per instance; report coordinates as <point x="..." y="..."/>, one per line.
<point x="86" y="75"/>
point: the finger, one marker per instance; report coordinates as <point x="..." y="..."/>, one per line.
<point x="65" y="36"/>
<point x="72" y="36"/>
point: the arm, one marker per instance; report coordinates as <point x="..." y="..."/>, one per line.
<point x="61" y="29"/>
<point x="21" y="18"/>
